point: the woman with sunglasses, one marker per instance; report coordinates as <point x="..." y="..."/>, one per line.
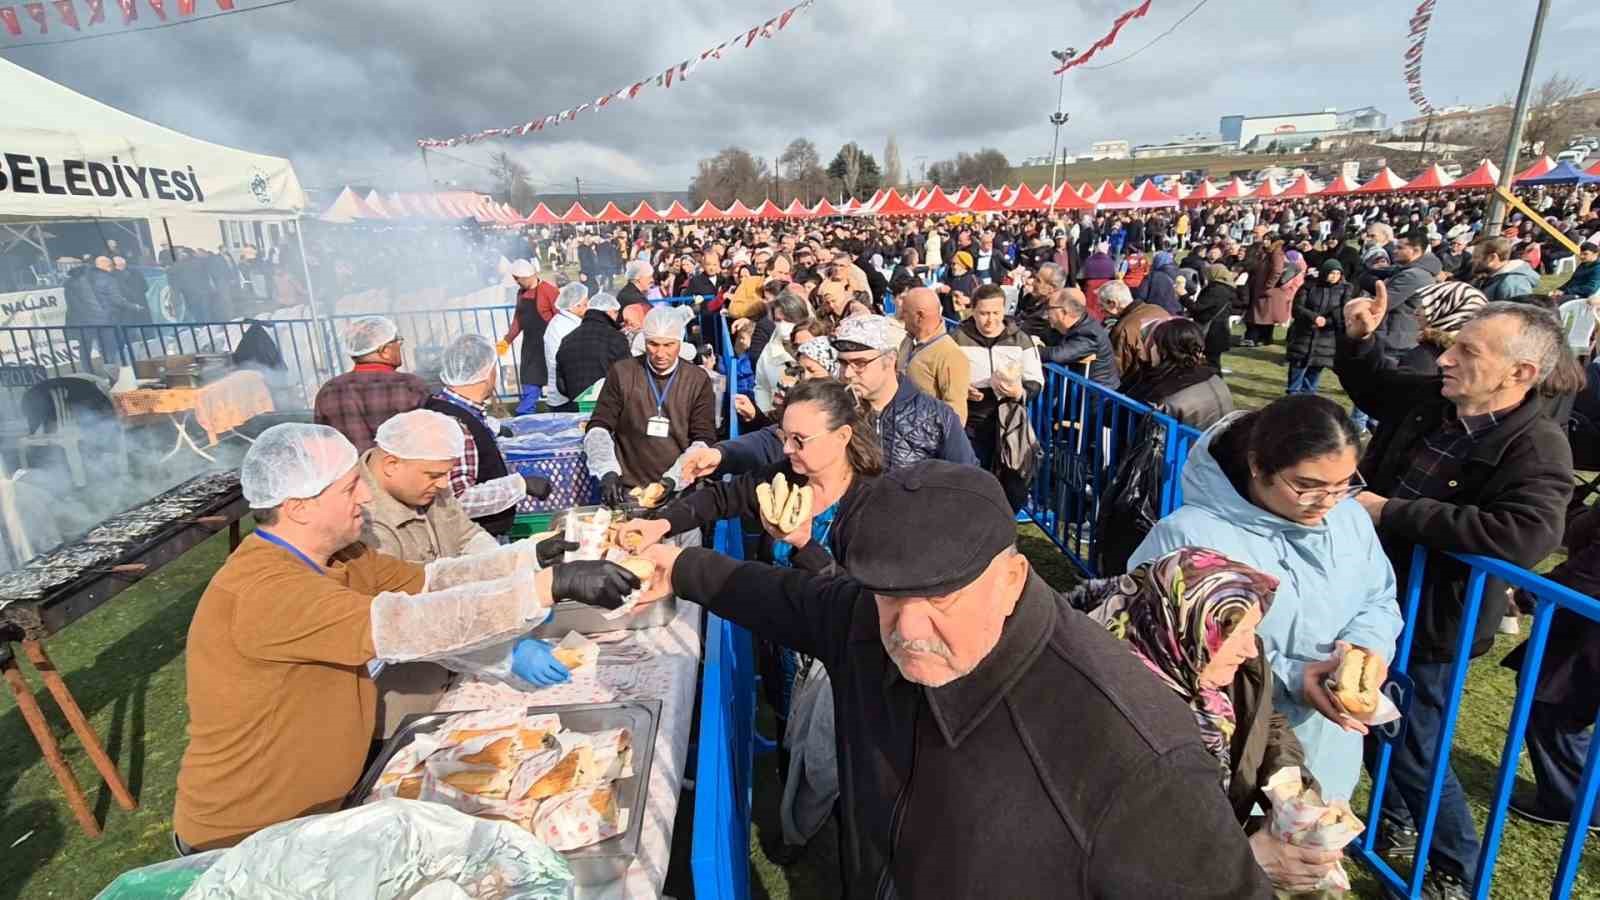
<point x="1272" y="489"/>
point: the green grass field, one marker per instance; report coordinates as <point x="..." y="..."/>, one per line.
<point x="124" y="663"/>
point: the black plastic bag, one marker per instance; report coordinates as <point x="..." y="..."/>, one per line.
<point x="1132" y="502"/>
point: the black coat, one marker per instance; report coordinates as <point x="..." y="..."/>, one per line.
<point x="1569" y="679"/>
<point x="630" y="294"/>
<point x="1056" y="768"/>
<point x="1086" y="336"/>
<point x="1509" y="502"/>
<point x="1309" y="345"/>
<point x="1211" y="310"/>
<point x="588" y="352"/>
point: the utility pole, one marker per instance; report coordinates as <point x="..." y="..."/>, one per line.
<point x="1519" y="117"/>
<point x="579" y="183"/>
<point x="1058" y="119"/>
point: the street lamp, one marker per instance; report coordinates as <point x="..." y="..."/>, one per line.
<point x="1058" y="119"/>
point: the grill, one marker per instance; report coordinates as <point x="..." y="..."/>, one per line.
<point x="58" y="587"/>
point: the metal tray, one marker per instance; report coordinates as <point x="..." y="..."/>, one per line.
<point x="568" y="616"/>
<point x="600" y="863"/>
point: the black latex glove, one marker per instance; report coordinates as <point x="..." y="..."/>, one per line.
<point x="612" y="491"/>
<point x="598" y="583"/>
<point x="550" y="550"/>
<point x="505" y="431"/>
<point x="538" y="486"/>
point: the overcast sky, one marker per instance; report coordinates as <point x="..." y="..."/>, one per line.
<point x="345" y="88"/>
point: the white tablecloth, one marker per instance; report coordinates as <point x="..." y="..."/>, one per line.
<point x="650" y="663"/>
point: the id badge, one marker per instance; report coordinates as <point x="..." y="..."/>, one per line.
<point x="657" y="427"/>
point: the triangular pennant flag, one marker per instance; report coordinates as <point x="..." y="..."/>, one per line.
<point x="36" y="12"/>
<point x="751" y="37"/>
<point x="225" y="5"/>
<point x="69" y="14"/>
<point x="185" y="7"/>
<point x="784" y="19"/>
<point x="97" y="11"/>
<point x="669" y="73"/>
<point x="130" y="10"/>
<point x="634" y="91"/>
<point x="8" y="18"/>
<point x="160" y="6"/>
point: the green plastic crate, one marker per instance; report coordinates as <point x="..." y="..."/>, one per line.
<point x="587" y="399"/>
<point x="529" y="524"/>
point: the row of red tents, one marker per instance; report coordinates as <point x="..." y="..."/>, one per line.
<point x="458" y="205"/>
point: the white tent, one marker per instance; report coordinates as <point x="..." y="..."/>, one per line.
<point x="65" y="155"/>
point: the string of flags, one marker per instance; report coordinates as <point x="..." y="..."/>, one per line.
<point x="125" y="14"/>
<point x="679" y="72"/>
<point x="1413" y="55"/>
<point x="1072" y="58"/>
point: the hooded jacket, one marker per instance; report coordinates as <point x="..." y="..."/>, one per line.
<point x="1514" y="279"/>
<point x="1335" y="584"/>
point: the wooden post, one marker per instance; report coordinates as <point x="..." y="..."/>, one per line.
<point x="80" y="723"/>
<point x="34" y="716"/>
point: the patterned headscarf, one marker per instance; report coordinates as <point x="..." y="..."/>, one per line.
<point x="1447" y="305"/>
<point x="821" y="350"/>
<point x="1174" y="612"/>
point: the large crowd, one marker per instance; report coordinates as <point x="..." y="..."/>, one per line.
<point x="975" y="731"/>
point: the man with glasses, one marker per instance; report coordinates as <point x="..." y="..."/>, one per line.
<point x="357" y="402"/>
<point x="1466" y="461"/>
<point x="1076" y="337"/>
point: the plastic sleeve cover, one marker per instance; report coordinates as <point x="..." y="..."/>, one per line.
<point x="453" y="621"/>
<point x="496" y="495"/>
<point x="601" y="452"/>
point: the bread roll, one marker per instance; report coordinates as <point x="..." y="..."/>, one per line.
<point x="482" y="782"/>
<point x="1356" y="683"/>
<point x="564" y="775"/>
<point x="643" y="568"/>
<point x="499" y="754"/>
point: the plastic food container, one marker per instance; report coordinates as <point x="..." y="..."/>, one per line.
<point x="600" y="863"/>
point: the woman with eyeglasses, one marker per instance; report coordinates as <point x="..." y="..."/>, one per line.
<point x="1272" y="489"/>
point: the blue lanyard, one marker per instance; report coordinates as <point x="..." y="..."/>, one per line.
<point x="661" y="395"/>
<point x="272" y="538"/>
<point x="918" y="348"/>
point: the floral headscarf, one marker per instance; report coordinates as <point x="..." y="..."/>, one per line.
<point x="1175" y="612"/>
<point x="820" y="349"/>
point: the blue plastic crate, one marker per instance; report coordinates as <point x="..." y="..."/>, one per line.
<point x="551" y="446"/>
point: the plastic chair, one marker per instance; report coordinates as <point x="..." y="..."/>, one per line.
<point x="1566" y="265"/>
<point x="67" y="435"/>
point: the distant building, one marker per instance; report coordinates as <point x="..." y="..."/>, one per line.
<point x="1308" y="141"/>
<point x="1109" y="150"/>
<point x="1239" y="131"/>
<point x="1464" y="123"/>
<point x="1191" y="146"/>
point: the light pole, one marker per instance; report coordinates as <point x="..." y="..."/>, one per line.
<point x="1058" y="119"/>
<point x="1519" y="116"/>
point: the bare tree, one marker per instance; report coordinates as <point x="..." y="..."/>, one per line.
<point x="732" y="174"/>
<point x="513" y="183"/>
<point x="893" y="173"/>
<point x="801" y="169"/>
<point x="1552" y="118"/>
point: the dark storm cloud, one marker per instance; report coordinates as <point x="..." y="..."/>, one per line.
<point x="345" y="88"/>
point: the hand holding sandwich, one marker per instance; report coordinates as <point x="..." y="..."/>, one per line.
<point x="1357" y="674"/>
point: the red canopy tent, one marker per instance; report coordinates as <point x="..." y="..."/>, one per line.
<point x="737" y="210"/>
<point x="1125" y="189"/>
<point x="1146" y="196"/>
<point x="1266" y="190"/>
<point x="1085" y="189"/>
<point x="644" y="212"/>
<point x="796" y="209"/>
<point x="965" y="194"/>
<point x="894" y="205"/>
<point x="1025" y="200"/>
<point x="938" y="203"/>
<point x="1384" y="182"/>
<point x="1338" y="187"/>
<point x="1007" y="194"/>
<point x="542" y="215"/>
<point x="1432" y="178"/>
<point x="1234" y="190"/>
<point x="610" y="213"/>
<point x="824" y="209"/>
<point x="920" y="197"/>
<point x="982" y="201"/>
<point x="1068" y="198"/>
<point x="849" y="205"/>
<point x="1542" y="167"/>
<point x="1594" y="170"/>
<point x="768" y="210"/>
<point x="575" y="214"/>
<point x="706" y="212"/>
<point x="874" y="201"/>
<point x="677" y="212"/>
<point x="1484" y="177"/>
<point x="1302" y="187"/>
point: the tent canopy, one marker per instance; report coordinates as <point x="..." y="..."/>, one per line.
<point x="1563" y="173"/>
<point x="69" y="155"/>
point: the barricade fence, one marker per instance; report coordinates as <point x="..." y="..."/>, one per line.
<point x="1085" y="430"/>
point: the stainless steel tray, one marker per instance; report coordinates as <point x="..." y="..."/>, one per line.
<point x="568" y="616"/>
<point x="600" y="863"/>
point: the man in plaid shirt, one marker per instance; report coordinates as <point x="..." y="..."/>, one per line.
<point x="357" y="402"/>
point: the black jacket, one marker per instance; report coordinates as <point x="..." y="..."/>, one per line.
<point x="1309" y="345"/>
<point x="1056" y="768"/>
<point x="491" y="464"/>
<point x="588" y="352"/>
<point x="630" y="294"/>
<point x="1509" y="502"/>
<point x="1086" y="336"/>
<point x="1211" y="311"/>
<point x="916" y="426"/>
<point x="1197" y="397"/>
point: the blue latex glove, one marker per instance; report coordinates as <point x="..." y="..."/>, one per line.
<point x="533" y="662"/>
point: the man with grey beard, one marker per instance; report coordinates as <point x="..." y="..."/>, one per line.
<point x="993" y="742"/>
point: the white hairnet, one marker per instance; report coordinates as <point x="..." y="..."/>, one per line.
<point x="467" y="360"/>
<point x="421" y="434"/>
<point x="368" y="334"/>
<point x="686" y="350"/>
<point x="293" y="461"/>
<point x="572" y="295"/>
<point x="665" y="323"/>
<point x="522" y="269"/>
<point x="604" y="302"/>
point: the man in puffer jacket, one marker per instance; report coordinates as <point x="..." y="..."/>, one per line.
<point x="1501" y="276"/>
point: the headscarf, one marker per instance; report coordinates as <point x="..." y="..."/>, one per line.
<point x="821" y="350"/>
<point x="1445" y="306"/>
<point x="1174" y="612"/>
<point x="1330" y="265"/>
<point x="1221" y="274"/>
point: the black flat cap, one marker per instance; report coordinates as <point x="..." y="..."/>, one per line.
<point x="927" y="529"/>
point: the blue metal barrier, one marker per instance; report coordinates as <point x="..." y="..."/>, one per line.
<point x="1083" y="427"/>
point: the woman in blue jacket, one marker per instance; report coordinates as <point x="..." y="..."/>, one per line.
<point x="1272" y="489"/>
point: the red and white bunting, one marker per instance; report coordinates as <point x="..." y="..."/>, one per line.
<point x="662" y="79"/>
<point x="1412" y="59"/>
<point x="1138" y="12"/>
<point x="90" y="16"/>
